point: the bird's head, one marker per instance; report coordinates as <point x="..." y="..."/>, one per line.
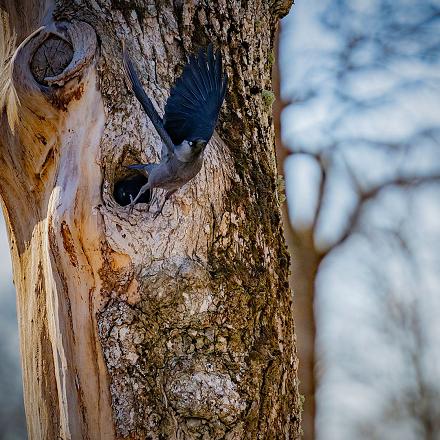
<point x="197" y="145"/>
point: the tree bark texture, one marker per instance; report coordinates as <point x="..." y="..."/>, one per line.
<point x="178" y="327"/>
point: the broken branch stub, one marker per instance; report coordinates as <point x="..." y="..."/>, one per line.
<point x="51" y="56"/>
<point x="48" y="73"/>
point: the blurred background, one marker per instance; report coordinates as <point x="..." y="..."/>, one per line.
<point x="360" y="124"/>
<point x="360" y="118"/>
<point x="12" y="421"/>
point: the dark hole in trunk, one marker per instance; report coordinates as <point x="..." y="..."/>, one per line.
<point x="130" y="186"/>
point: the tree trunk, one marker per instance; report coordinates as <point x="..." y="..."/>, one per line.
<point x="304" y="271"/>
<point x="178" y="327"/>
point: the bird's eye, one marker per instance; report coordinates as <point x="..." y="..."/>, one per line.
<point x="190" y="143"/>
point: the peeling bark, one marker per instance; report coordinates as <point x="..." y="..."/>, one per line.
<point x="174" y="328"/>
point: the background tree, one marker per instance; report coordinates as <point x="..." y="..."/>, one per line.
<point x="132" y="328"/>
<point x="361" y="123"/>
<point x="11" y="406"/>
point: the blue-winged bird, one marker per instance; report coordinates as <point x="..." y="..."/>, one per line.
<point x="191" y="114"/>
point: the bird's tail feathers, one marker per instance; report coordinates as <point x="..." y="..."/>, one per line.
<point x="143" y="98"/>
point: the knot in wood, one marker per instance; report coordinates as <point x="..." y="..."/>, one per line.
<point x="51" y="58"/>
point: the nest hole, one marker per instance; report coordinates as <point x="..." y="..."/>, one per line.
<point x="128" y="188"/>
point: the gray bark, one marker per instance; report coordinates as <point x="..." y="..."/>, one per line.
<point x="179" y="327"/>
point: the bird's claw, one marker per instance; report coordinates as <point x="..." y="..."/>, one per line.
<point x="131" y="206"/>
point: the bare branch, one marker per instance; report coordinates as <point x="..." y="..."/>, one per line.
<point x="367" y="196"/>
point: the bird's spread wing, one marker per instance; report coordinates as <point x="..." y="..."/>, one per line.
<point x="192" y="109"/>
<point x="146" y="102"/>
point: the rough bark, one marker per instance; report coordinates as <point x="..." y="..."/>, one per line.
<point x="179" y="327"/>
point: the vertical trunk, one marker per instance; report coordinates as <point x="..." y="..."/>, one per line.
<point x="131" y="327"/>
<point x="304" y="270"/>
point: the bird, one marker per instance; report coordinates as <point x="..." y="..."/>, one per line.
<point x="190" y="117"/>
